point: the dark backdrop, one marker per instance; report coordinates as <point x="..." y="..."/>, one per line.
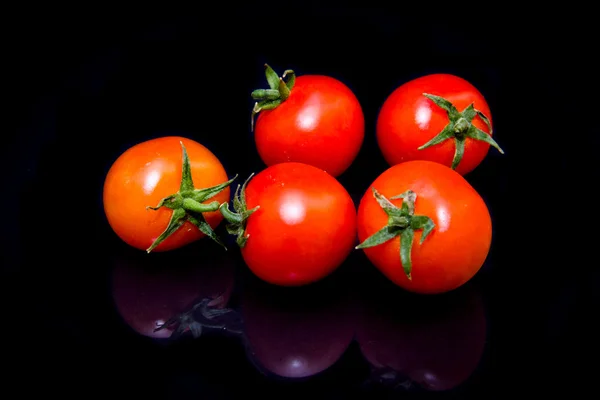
<point x="84" y="87"/>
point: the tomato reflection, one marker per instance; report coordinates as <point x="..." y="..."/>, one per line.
<point x="432" y="342"/>
<point x="296" y="332"/>
<point x="158" y="295"/>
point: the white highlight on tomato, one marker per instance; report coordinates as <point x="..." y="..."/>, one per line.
<point x="307" y="119"/>
<point x="443" y="219"/>
<point x="151" y="181"/>
<point x="292" y="210"/>
<point x="423" y="115"/>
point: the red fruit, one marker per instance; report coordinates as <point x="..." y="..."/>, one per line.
<point x="435" y="237"/>
<point x="311" y="119"/>
<point x="440" y="106"/>
<point x="295" y="224"/>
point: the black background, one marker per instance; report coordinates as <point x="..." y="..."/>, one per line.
<point x="84" y="85"/>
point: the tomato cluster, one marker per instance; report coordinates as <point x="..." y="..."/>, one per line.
<point x="420" y="222"/>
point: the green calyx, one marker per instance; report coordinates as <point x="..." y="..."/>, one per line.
<point x="188" y="205"/>
<point x="460" y="128"/>
<point x="278" y="92"/>
<point x="401" y="222"/>
<point x="236" y="220"/>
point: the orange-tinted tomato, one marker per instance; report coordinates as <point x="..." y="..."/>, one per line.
<point x="149" y="172"/>
<point x="459" y="242"/>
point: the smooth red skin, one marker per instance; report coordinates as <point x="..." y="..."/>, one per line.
<point x="320" y="124"/>
<point x="296" y="342"/>
<point x="148" y="172"/>
<point x="408" y="120"/>
<point x="437" y="348"/>
<point x="457" y="247"/>
<point x="305" y="226"/>
<point x="146" y="297"/>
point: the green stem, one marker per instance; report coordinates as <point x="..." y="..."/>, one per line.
<point x="278" y="92"/>
<point x="402" y="222"/>
<point x="193" y="206"/>
<point x="460" y="128"/>
<point x="230" y="216"/>
<point x="189" y="204"/>
<point x="238" y="218"/>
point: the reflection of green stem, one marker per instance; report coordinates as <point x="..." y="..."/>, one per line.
<point x="401" y="222"/>
<point x="203" y="314"/>
<point x="188" y="204"/>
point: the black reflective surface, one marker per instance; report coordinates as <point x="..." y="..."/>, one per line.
<point x="94" y="316"/>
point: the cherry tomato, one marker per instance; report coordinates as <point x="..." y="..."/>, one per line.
<point x="296" y="334"/>
<point x="295" y="224"/>
<point x="312" y="119"/>
<point x="149" y="294"/>
<point x="164" y="174"/>
<point x="436" y="342"/>
<point x="439" y="117"/>
<point x="433" y="238"/>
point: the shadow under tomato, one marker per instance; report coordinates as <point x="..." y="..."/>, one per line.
<point x="432" y="343"/>
<point x="296" y="333"/>
<point x="165" y="295"/>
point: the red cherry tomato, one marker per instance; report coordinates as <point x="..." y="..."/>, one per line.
<point x="147" y="293"/>
<point x="295" y="224"/>
<point x="434" y="239"/>
<point x="436" y="343"/>
<point x="296" y="334"/>
<point x="312" y="119"/>
<point x="440" y="106"/>
<point x="149" y="174"/>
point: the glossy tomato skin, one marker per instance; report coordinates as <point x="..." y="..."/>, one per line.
<point x="146" y="294"/>
<point x="458" y="245"/>
<point x="320" y="124"/>
<point x="408" y="120"/>
<point x="437" y="343"/>
<point x="305" y="226"/>
<point x="148" y="172"/>
<point x="297" y="334"/>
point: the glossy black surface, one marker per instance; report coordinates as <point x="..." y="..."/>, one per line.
<point x="82" y="90"/>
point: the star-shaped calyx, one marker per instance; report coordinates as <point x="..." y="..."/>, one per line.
<point x="460" y="127"/>
<point x="188" y="205"/>
<point x="278" y="92"/>
<point x="402" y="222"/>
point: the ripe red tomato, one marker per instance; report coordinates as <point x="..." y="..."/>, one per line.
<point x="296" y="334"/>
<point x="147" y="293"/>
<point x="439" y="117"/>
<point x="436" y="343"/>
<point x="312" y="119"/>
<point x="155" y="174"/>
<point x="295" y="224"/>
<point x="434" y="239"/>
